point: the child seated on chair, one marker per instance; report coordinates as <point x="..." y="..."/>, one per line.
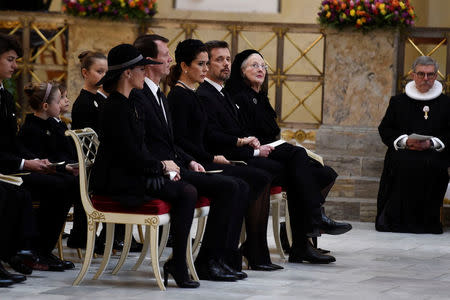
<point x="44" y="136"/>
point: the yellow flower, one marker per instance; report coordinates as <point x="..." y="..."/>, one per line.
<point x="382" y="6"/>
<point x="328" y="14"/>
<point x="326" y="7"/>
<point x="359" y="22"/>
<point x="352" y="12"/>
<point x="343" y="16"/>
<point x="402" y="5"/>
<point x="383" y="12"/>
<point x="81" y="1"/>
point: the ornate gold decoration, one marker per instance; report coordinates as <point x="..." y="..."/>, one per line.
<point x="428" y="54"/>
<point x="278" y="77"/>
<point x="152" y="221"/>
<point x="301" y="101"/>
<point x="280" y="31"/>
<point x="300" y="135"/>
<point x="95" y="217"/>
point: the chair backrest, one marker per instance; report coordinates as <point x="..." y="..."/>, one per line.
<point x="86" y="142"/>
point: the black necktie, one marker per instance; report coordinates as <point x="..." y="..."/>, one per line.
<point x="161" y="104"/>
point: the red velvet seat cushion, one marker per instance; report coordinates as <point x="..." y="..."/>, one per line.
<point x="153" y="207"/>
<point x="276" y="190"/>
<point x="202" y="202"/>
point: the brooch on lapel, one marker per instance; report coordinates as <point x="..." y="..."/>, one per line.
<point x="95" y="103"/>
<point x="48" y="133"/>
<point x="255" y="100"/>
<point x="426" y="109"/>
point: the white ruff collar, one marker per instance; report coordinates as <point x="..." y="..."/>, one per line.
<point x="412" y="92"/>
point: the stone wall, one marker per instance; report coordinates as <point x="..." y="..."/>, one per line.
<point x="360" y="76"/>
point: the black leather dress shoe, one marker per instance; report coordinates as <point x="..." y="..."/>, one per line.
<point x="14" y="277"/>
<point x="329" y="226"/>
<point x="5" y="282"/>
<point x="52" y="259"/>
<point x="212" y="270"/>
<point x="309" y="254"/>
<point x="230" y="270"/>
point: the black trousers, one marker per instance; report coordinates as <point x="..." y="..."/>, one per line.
<point x="229" y="199"/>
<point x="303" y="180"/>
<point x="55" y="194"/>
<point x="15" y="220"/>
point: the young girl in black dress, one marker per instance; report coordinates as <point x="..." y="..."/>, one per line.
<point x="87" y="106"/>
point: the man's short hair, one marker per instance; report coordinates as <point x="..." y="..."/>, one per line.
<point x="147" y="46"/>
<point x="9" y="42"/>
<point x="216" y="44"/>
<point x="425" y="61"/>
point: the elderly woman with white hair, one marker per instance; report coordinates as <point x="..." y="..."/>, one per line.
<point x="416" y="129"/>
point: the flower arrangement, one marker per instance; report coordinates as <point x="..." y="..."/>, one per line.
<point x="140" y="10"/>
<point x="366" y="14"/>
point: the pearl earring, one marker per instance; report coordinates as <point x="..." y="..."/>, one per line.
<point x="185" y="72"/>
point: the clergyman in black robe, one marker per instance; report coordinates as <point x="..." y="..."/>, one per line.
<point x="415" y="174"/>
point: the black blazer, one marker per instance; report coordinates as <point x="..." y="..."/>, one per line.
<point x="86" y="110"/>
<point x="158" y="134"/>
<point x="260" y="117"/>
<point x="123" y="163"/>
<point x="11" y="150"/>
<point x="224" y="122"/>
<point x="190" y="123"/>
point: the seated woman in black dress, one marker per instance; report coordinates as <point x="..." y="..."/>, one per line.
<point x="190" y="121"/>
<point x="308" y="182"/>
<point x="123" y="168"/>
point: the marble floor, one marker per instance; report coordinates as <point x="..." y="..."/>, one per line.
<point x="370" y="265"/>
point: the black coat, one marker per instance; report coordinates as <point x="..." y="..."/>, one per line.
<point x="86" y="110"/>
<point x="225" y="124"/>
<point x="123" y="163"/>
<point x="11" y="150"/>
<point x="65" y="143"/>
<point x="158" y="134"/>
<point x="260" y="117"/>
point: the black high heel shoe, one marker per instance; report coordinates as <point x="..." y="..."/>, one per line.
<point x="252" y="265"/>
<point x="185" y="282"/>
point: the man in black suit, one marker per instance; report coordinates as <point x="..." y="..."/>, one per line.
<point x="44" y="187"/>
<point x="227" y="193"/>
<point x="228" y="133"/>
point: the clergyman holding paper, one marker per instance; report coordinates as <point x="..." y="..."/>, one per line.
<point x="416" y="129"/>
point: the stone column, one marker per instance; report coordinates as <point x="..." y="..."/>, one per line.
<point x="97" y="35"/>
<point x="360" y="77"/>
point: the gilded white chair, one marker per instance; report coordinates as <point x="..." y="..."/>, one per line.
<point x="102" y="209"/>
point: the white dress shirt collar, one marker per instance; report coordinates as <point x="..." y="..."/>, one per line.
<point x="152" y="86"/>
<point x="219" y="87"/>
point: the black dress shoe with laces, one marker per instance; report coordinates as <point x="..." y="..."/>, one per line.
<point x="309" y="254"/>
<point x="4" y="274"/>
<point x="212" y="270"/>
